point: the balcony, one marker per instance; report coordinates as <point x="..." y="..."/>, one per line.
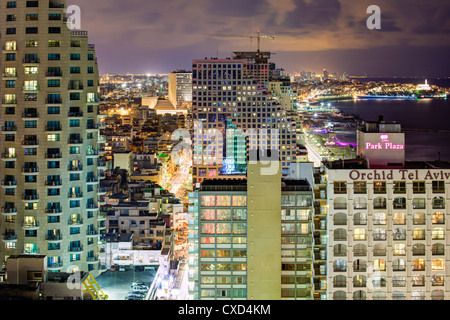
<point x="9" y="76"/>
<point x="101" y="139"/>
<point x="30" y="198"/>
<point x="76" y="249"/>
<point x="31" y="61"/>
<point x="75" y="87"/>
<point x="31" y="251"/>
<point x="30" y="88"/>
<point x="9" y="129"/>
<point x="76" y="141"/>
<point x="54" y="237"/>
<point x="102" y="191"/>
<point x="57" y="74"/>
<point x="93" y="100"/>
<point x="92" y="154"/>
<point x="53" y="155"/>
<point x="53" y="101"/>
<point x="10" y="48"/>
<point x="8" y="212"/>
<point x="91" y="233"/>
<point x="75" y="168"/>
<point x="92" y="127"/>
<point x="30" y="225"/>
<point x="92" y="259"/>
<point x="30" y="143"/>
<point x="53" y="211"/>
<point x="75" y="114"/>
<point x="9" y="102"/>
<point x="101" y="216"/>
<point x="9" y="157"/>
<point x="30" y="116"/>
<point x="9" y="238"/>
<point x="30" y="171"/>
<point x="92" y="206"/>
<point x="101" y="175"/>
<point x="54" y="265"/>
<point x="53" y="183"/>
<point x="101" y="165"/>
<point x="9" y="184"/>
<point x="53" y="128"/>
<point x="75" y="195"/>
<point x="92" y="180"/>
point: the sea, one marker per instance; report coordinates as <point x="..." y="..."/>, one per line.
<point x="412" y="114"/>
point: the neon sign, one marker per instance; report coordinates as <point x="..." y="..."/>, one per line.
<point x="384" y="144"/>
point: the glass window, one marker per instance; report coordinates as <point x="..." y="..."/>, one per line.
<point x="208" y="228"/>
<point x="360" y="187"/>
<point x="438" y="186"/>
<point x="239" y="214"/>
<point x="359" y="234"/>
<point x="379" y="187"/>
<point x="438" y="218"/>
<point x="223" y="214"/>
<point x="438" y="264"/>
<point x="399" y="218"/>
<point x="208" y="215"/>
<point x="419" y="187"/>
<point x="340" y="187"/>
<point x="223" y="201"/>
<point x="223" y="228"/>
<point x="208" y="201"/>
<point x="379" y="218"/>
<point x="239" y="201"/>
<point x="239" y="228"/>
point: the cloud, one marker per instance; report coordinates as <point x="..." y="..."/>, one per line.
<point x="138" y="34"/>
<point x="237" y="8"/>
<point x="312" y="14"/>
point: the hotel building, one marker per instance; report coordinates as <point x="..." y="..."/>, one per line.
<point x="50" y="130"/>
<point x="387" y="221"/>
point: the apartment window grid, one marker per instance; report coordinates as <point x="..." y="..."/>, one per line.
<point x="406" y="224"/>
<point x="297" y="239"/>
<point x="222" y="262"/>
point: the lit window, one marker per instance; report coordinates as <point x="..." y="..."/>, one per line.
<point x="438" y="264"/>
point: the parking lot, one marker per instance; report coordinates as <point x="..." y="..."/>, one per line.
<point x="117" y="284"/>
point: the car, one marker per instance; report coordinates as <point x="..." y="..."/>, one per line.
<point x="136" y="293"/>
<point x="133" y="297"/>
<point x="139" y="283"/>
<point x="121" y="269"/>
<point x="140" y="289"/>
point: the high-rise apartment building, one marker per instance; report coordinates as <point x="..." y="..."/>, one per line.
<point x="229" y="99"/>
<point x="252" y="238"/>
<point x="50" y="130"/>
<point x="180" y="88"/>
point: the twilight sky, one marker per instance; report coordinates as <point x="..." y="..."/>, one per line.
<point x="159" y="36"/>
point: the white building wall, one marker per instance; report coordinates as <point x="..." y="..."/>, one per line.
<point x="430" y="228"/>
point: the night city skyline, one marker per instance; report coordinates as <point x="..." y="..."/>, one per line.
<point x="310" y="35"/>
<point x="235" y="150"/>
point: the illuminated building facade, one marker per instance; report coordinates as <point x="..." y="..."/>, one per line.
<point x="50" y="130"/>
<point x="180" y="88"/>
<point x="387" y="226"/>
<point x="252" y="239"/>
<point x="226" y="97"/>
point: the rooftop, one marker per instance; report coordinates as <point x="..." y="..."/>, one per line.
<point x="118" y="237"/>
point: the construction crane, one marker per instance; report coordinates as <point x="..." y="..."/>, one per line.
<point x="259" y="36"/>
